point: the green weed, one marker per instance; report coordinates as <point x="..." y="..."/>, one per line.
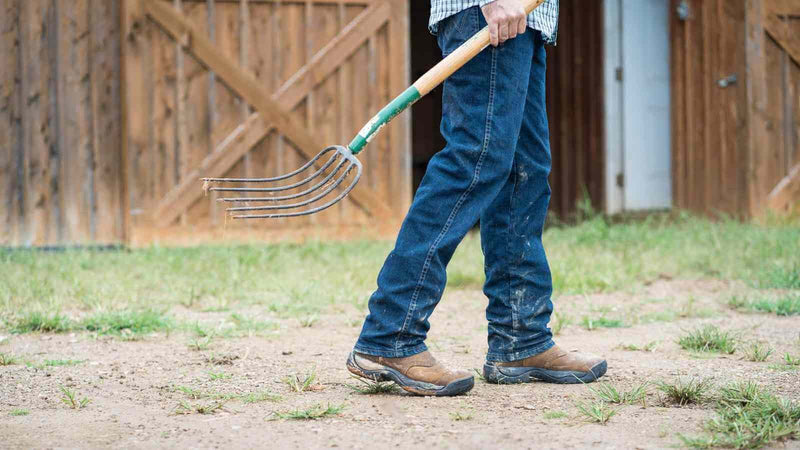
<point x="607" y="393"/>
<point x="748" y="416"/>
<point x="7" y="359"/>
<point x="597" y="411"/>
<point x="373" y="387"/>
<point x="308" y="321"/>
<point x="459" y="416"/>
<point x="757" y="352"/>
<point x="70" y="398"/>
<point x="188" y="408"/>
<point x="216" y="376"/>
<point x="298" y="384"/>
<point x="33" y="322"/>
<point x="260" y="396"/>
<point x="19" y="412"/>
<point x="601" y="322"/>
<point x="709" y="339"/>
<point x="55" y="363"/>
<point x="312" y="413"/>
<point x="559" y="322"/>
<point x="685" y="391"/>
<point x="550" y="415"/>
<point x="127" y="322"/>
<point x="650" y="347"/>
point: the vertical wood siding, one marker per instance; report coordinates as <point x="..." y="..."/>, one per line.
<point x="575" y="107"/>
<point x="59" y="122"/>
<point x="732" y="144"/>
<point x="178" y="116"/>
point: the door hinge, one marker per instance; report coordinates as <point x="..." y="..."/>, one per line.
<point x="621" y="180"/>
<point x="618" y="73"/>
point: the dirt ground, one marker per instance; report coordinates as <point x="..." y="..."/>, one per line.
<point x="135" y="404"/>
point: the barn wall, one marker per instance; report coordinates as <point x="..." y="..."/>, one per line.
<point x="733" y="142"/>
<point x="179" y="112"/>
<point x="575" y="107"/>
<point x="59" y="122"/>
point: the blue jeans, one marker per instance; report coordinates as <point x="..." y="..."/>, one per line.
<point x="493" y="169"/>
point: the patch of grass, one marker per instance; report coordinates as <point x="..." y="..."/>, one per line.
<point x="709" y="339"/>
<point x="779" y="277"/>
<point x="458" y="416"/>
<point x="550" y="415"/>
<point x="650" y="347"/>
<point x="783" y="305"/>
<point x="33" y="322"/>
<point x="686" y="391"/>
<point x="216" y="376"/>
<point x="260" y="396"/>
<point x="55" y="363"/>
<point x="790" y="363"/>
<point x="7" y="359"/>
<point x="19" y="412"/>
<point x="601" y="322"/>
<point x="199" y="408"/>
<point x="757" y="352"/>
<point x="70" y="398"/>
<point x="298" y="384"/>
<point x="373" y="387"/>
<point x="786" y="305"/>
<point x="308" y="321"/>
<point x="251" y="327"/>
<point x="607" y="393"/>
<point x="313" y="413"/>
<point x="748" y="416"/>
<point x="200" y="344"/>
<point x="123" y="322"/>
<point x="597" y="411"/>
<point x="559" y="322"/>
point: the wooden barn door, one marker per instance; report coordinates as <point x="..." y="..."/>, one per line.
<point x="736" y="105"/>
<point x="255" y="88"/>
<point x="775" y="104"/>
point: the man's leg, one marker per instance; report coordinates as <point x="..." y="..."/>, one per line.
<point x="483" y="106"/>
<point x="518" y="281"/>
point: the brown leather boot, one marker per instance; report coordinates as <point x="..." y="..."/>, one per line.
<point x="419" y="374"/>
<point x="554" y="365"/>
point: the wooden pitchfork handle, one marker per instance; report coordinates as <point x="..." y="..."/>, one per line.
<point x="428" y="82"/>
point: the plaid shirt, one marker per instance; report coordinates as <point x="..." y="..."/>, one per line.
<point x="544" y="18"/>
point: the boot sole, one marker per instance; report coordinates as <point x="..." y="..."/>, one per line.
<point x="512" y="375"/>
<point x="456" y="387"/>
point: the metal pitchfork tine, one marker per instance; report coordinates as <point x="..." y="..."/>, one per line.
<point x="344" y="157"/>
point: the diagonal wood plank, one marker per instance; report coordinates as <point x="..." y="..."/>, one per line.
<point x="275" y="109"/>
<point x="786" y="193"/>
<point x="783" y="35"/>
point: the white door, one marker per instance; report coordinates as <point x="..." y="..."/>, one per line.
<point x="638" y="174"/>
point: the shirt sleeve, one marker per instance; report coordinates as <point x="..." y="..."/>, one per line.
<point x="485" y="2"/>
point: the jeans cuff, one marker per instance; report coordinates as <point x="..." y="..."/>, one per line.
<point x="516" y="356"/>
<point x="400" y="353"/>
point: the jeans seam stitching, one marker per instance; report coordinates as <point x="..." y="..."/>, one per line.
<point x="475" y="175"/>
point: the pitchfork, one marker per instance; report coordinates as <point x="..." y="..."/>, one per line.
<point x="324" y="175"/>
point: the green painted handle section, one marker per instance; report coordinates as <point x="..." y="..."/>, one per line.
<point x="395" y="107"/>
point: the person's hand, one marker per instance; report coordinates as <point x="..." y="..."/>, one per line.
<point x="506" y="19"/>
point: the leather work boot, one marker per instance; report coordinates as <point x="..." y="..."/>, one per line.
<point x="554" y="366"/>
<point x="419" y="374"/>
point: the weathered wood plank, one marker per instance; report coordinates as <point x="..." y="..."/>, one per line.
<point x="400" y="129"/>
<point x="76" y="174"/>
<point x="10" y="127"/>
<point x="248" y="87"/>
<point x="757" y="106"/>
<point x="106" y="122"/>
<point x="39" y="120"/>
<point x="786" y="194"/>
